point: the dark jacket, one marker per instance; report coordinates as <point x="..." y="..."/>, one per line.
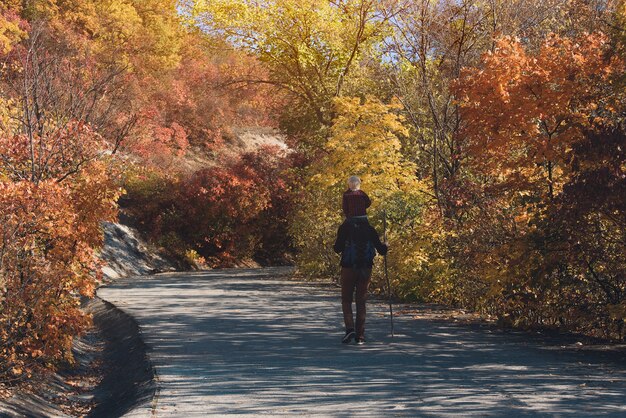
<point x="361" y="231"/>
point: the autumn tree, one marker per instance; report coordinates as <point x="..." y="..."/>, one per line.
<point x="524" y="111"/>
<point x="60" y="102"/>
<point x="429" y="45"/>
<point x="364" y="141"/>
<point x="194" y="105"/>
<point x="529" y="119"/>
<point x="53" y="198"/>
<point x="590" y="217"/>
<point x="310" y="48"/>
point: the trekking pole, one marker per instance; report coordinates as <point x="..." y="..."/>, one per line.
<point x="386" y="274"/>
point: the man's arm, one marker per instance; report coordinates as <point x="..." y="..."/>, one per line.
<point x="341" y="239"/>
<point x="380" y="247"/>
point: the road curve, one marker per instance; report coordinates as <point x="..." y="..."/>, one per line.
<point x="244" y="342"/>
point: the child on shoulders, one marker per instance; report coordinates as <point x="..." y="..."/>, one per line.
<point x="355" y="201"/>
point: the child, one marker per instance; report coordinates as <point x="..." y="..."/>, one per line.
<point x="355" y="201"/>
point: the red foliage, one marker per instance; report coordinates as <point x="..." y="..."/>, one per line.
<point x="224" y="213"/>
<point x="197" y="102"/>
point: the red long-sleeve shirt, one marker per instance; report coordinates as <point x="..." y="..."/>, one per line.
<point x="355" y="203"/>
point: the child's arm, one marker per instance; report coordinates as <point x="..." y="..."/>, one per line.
<point x="368" y="201"/>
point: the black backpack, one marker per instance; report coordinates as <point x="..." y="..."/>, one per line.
<point x="359" y="251"/>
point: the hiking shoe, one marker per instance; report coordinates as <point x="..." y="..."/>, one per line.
<point x="349" y="336"/>
<point x="360" y="340"/>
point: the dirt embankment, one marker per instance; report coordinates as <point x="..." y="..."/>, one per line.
<point x="127" y="254"/>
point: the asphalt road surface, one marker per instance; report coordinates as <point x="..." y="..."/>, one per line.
<point x="245" y="342"/>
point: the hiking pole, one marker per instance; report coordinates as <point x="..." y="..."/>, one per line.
<point x="386" y="274"/>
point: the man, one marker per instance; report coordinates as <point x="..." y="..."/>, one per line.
<point x="357" y="241"/>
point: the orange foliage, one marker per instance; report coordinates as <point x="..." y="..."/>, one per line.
<point x="523" y="111"/>
<point x="195" y="104"/>
<point x="48" y="232"/>
<point x="56" y="154"/>
<point x="82" y="83"/>
<point x="54" y="192"/>
<point x="538" y="242"/>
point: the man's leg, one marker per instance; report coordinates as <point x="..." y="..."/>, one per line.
<point x="362" y="283"/>
<point x="348" y="282"/>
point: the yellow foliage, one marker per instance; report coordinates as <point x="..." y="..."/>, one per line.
<point x="364" y="141"/>
<point x="133" y="33"/>
<point x="10" y="33"/>
<point x="310" y="47"/>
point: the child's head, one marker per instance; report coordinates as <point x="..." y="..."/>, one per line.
<point x="354" y="183"/>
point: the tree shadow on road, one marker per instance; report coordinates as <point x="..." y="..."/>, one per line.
<point x="240" y="342"/>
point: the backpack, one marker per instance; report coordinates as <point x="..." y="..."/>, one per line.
<point x="359" y="251"/>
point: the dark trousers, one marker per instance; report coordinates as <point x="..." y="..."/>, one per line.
<point x="354" y="280"/>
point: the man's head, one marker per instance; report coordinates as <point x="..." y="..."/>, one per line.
<point x="354" y="183"/>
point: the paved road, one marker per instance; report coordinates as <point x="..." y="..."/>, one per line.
<point x="242" y="342"/>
